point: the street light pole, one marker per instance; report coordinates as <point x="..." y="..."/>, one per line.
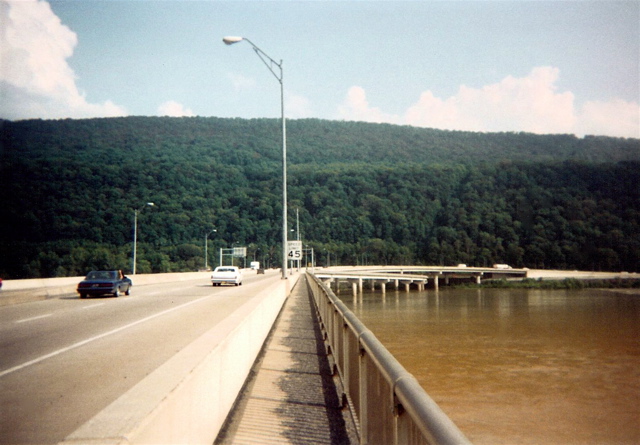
<point x="298" y="234"/>
<point x="135" y="234"/>
<point x="269" y="62"/>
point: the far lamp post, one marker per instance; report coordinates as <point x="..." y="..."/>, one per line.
<point x="269" y="62"/>
<point x="135" y="233"/>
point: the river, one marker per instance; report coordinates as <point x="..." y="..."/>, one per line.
<point x="519" y="366"/>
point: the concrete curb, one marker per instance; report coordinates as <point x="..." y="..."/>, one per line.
<point x="187" y="399"/>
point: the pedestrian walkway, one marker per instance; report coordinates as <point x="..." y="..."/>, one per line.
<point x="291" y="396"/>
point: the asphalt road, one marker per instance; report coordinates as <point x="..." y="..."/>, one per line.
<point x="63" y="360"/>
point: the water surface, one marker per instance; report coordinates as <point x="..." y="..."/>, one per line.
<point x="519" y="366"/>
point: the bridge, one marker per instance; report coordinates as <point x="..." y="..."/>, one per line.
<point x="168" y="364"/>
<point x="416" y="276"/>
<point x="176" y="363"/>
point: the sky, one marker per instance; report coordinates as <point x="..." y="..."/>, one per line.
<point x="570" y="67"/>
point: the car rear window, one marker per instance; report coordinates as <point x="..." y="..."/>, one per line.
<point x="101" y="275"/>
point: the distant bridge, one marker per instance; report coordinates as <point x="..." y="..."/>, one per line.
<point x="417" y="276"/>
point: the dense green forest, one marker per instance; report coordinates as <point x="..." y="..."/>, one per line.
<point x="365" y="193"/>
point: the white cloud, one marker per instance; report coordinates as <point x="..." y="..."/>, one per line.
<point x="515" y="104"/>
<point x="174" y="109"/>
<point x="356" y="107"/>
<point x="35" y="79"/>
<point x="530" y="104"/>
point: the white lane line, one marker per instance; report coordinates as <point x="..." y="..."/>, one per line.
<point x="97" y="337"/>
<point x="93" y="305"/>
<point x="24" y="320"/>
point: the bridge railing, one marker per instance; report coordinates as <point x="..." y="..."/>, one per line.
<point x="389" y="404"/>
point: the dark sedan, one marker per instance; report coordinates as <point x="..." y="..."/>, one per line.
<point x="104" y="282"/>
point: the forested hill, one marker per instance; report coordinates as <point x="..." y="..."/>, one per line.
<point x="366" y="193"/>
<point x="244" y="142"/>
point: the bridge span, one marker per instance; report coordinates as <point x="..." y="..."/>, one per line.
<point x="166" y="365"/>
<point x="417" y="276"/>
<point x="208" y="339"/>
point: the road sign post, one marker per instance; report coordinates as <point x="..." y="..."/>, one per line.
<point x="294" y="251"/>
<point x="234" y="252"/>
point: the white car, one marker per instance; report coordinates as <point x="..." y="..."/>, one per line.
<point x="226" y="274"/>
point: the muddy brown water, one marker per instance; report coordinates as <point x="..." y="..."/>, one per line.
<point x="519" y="366"/>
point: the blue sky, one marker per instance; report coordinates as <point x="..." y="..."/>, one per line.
<point x="535" y="66"/>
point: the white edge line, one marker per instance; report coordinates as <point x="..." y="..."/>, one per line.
<point x="97" y="337"/>
<point x="24" y="320"/>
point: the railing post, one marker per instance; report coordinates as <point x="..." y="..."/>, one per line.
<point x="363" y="415"/>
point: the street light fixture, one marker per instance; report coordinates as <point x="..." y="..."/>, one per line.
<point x="206" y="239"/>
<point x="270" y="63"/>
<point x="135" y="233"/>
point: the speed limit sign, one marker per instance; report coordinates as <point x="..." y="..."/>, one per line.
<point x="294" y="250"/>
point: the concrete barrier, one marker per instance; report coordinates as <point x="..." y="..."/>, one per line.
<point x="187" y="399"/>
<point x="22" y="291"/>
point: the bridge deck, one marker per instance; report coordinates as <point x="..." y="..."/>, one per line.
<point x="420" y="275"/>
<point x="290" y="395"/>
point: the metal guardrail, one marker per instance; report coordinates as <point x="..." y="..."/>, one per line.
<point x="390" y="405"/>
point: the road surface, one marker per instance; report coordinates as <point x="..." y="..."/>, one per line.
<point x="63" y="360"/>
